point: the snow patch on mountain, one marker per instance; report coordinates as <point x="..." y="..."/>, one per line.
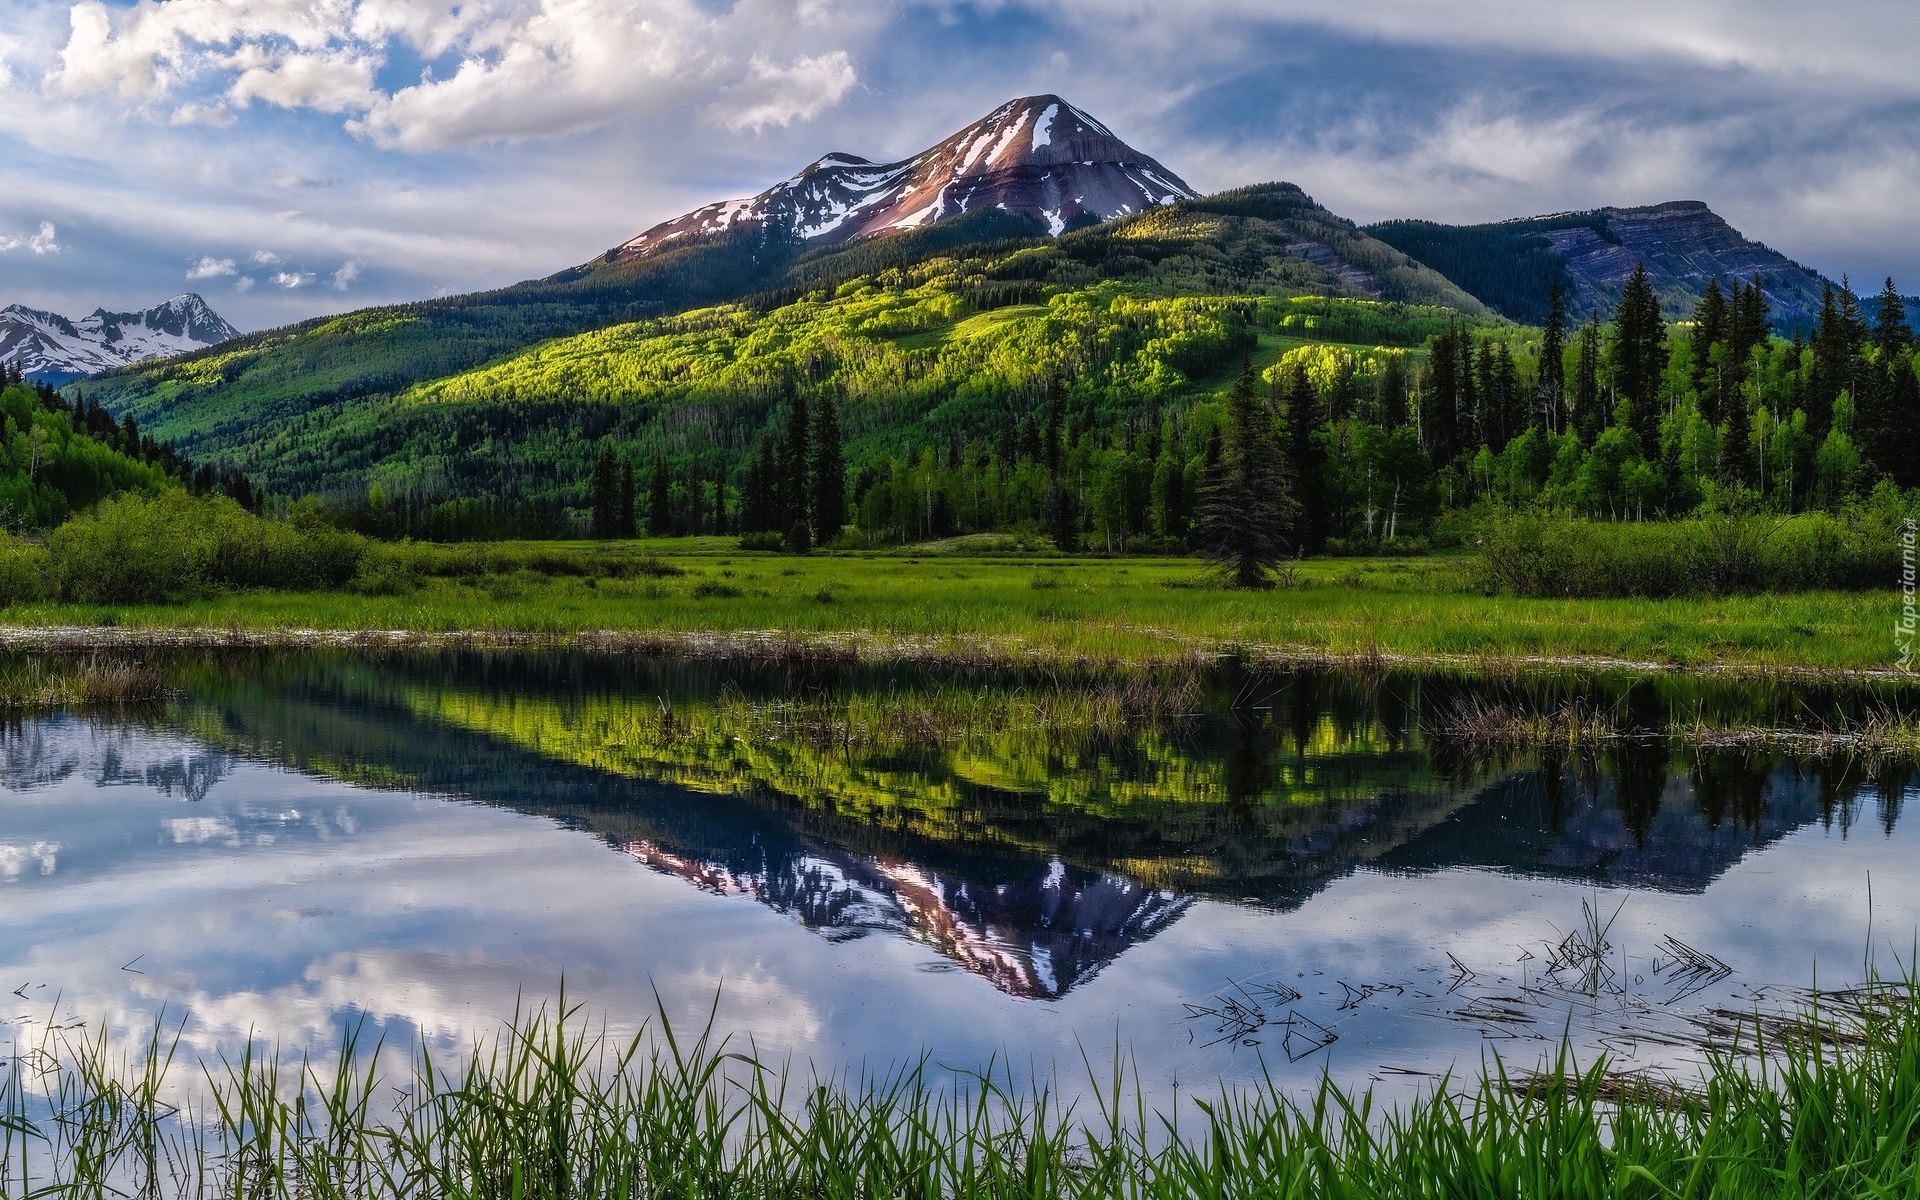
<point x="1038" y="156"/>
<point x="48" y="345"/>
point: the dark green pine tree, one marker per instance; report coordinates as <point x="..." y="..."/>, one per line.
<point x="1063" y="516"/>
<point x="1246" y="512"/>
<point x="1552" y="408"/>
<point x="1305" y="455"/>
<point x="1640" y="357"/>
<point x="757" y="502"/>
<point x="829" y="473"/>
<point x="1738" y="463"/>
<point x="1487" y="412"/>
<point x="794" y="455"/>
<point x="1883" y="425"/>
<point x="1710" y="318"/>
<point x="605" y="496"/>
<point x="1439" y="419"/>
<point x="626" y="518"/>
<point x="694" y="520"/>
<point x="1586" y="415"/>
<point x="1831" y="368"/>
<point x="1746" y="328"/>
<point x="660" y="499"/>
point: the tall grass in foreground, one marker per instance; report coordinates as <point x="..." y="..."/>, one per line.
<point x="550" y="1109"/>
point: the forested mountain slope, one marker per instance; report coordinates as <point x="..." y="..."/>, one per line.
<point x="964" y="318"/>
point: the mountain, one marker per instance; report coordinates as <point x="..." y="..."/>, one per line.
<point x="44" y="345"/>
<point x="844" y="266"/>
<point x="1510" y="265"/>
<point x="1037" y="157"/>
<point x="921" y="336"/>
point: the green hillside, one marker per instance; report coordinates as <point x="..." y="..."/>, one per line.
<point x="504" y="395"/>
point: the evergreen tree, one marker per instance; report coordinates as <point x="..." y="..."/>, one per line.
<point x="830" y="473"/>
<point x="1439" y="413"/>
<point x="1306" y="459"/>
<point x="695" y="502"/>
<point x="1551" y="412"/>
<point x="759" y="506"/>
<point x="1063" y="517"/>
<point x="626" y="518"/>
<point x="1640" y="357"/>
<point x="794" y="447"/>
<point x="1710" y="319"/>
<point x="1738" y="465"/>
<point x="605" y="498"/>
<point x="1891" y="333"/>
<point x="1246" y="514"/>
<point x="660" y="499"/>
<point x="1831" y="368"/>
<point x="1746" y="328"/>
<point x="1587" y="416"/>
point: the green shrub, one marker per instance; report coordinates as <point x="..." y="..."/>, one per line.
<point x="141" y="549"/>
<point x="1715" y="556"/>
<point x="23" y="570"/>
<point x="766" y="540"/>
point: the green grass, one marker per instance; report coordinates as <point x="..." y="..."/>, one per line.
<point x="548" y="1108"/>
<point x="1023" y="605"/>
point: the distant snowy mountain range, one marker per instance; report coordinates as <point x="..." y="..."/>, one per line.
<point x="1037" y="156"/>
<point x="44" y="345"/>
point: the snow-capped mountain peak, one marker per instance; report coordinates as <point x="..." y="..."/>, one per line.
<point x="49" y="346"/>
<point x="1038" y="156"/>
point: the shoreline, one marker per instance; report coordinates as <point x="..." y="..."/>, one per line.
<point x="873" y="648"/>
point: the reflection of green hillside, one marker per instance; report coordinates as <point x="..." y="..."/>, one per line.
<point x="1164" y="805"/>
<point x="924" y="772"/>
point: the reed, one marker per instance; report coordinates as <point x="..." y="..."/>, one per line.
<point x="39" y="682"/>
<point x="1823" y="1101"/>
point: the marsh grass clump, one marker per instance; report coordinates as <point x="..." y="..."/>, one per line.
<point x="1821" y="1101"/>
<point x="38" y="683"/>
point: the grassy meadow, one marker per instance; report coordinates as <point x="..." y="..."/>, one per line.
<point x="986" y="598"/>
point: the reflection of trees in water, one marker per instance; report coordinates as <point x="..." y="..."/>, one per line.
<point x="1278" y="784"/>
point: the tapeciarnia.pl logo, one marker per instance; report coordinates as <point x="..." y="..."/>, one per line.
<point x="1904" y="627"/>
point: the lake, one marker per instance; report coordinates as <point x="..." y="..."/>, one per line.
<point x="1224" y="875"/>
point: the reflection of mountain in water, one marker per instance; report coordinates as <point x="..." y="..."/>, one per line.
<point x="1034" y="937"/>
<point x="1028" y="864"/>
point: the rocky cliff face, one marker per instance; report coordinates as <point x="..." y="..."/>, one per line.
<point x="1683" y="244"/>
<point x="1037" y="156"/>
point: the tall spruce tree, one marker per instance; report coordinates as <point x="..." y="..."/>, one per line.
<point x="1738" y="464"/>
<point x="1551" y="412"/>
<point x="1246" y="512"/>
<point x="660" y="499"/>
<point x="829" y="473"/>
<point x="626" y="518"/>
<point x="795" y="447"/>
<point x="1640" y="357"/>
<point x="1587" y="416"/>
<point x="1710" y="319"/>
<point x="604" y="522"/>
<point x="1883" y="428"/>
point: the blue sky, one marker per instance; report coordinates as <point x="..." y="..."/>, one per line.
<point x="287" y="158"/>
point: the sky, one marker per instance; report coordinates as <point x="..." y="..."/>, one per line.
<point x="289" y="158"/>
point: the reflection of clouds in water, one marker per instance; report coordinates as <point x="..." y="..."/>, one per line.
<point x="15" y="859"/>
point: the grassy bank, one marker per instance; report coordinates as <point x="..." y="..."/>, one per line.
<point x="955" y="600"/>
<point x="547" y="1109"/>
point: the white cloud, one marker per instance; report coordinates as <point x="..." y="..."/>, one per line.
<point x="780" y="95"/>
<point x="525" y="68"/>
<point x="43" y="242"/>
<point x="243" y="285"/>
<point x="265" y="258"/>
<point x="210" y="267"/>
<point x="293" y="279"/>
<point x="348" y="272"/>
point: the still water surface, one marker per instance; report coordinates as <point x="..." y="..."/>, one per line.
<point x="1291" y="877"/>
